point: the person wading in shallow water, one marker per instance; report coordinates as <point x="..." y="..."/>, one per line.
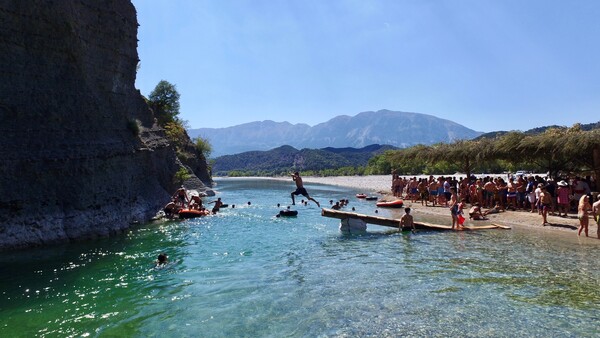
<point x="300" y="189"/>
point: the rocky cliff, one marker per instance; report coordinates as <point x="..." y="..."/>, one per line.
<point x="80" y="153"/>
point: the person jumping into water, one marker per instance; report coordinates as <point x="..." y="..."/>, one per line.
<point x="300" y="189"/>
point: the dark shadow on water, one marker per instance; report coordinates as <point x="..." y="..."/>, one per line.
<point x="564" y="226"/>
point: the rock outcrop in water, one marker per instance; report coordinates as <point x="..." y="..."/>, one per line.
<point x="80" y="153"/>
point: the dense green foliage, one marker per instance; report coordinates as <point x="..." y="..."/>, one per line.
<point x="164" y="101"/>
<point x="556" y="150"/>
<point x="181" y="176"/>
<point x="203" y="146"/>
<point x="285" y="159"/>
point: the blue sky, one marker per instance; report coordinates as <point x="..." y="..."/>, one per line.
<point x="488" y="65"/>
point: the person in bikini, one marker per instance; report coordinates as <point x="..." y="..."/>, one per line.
<point x="453" y="205"/>
<point x="300" y="190"/>
<point x="583" y="210"/>
<point x="545" y="204"/>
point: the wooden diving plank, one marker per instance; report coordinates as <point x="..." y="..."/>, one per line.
<point x="394" y="223"/>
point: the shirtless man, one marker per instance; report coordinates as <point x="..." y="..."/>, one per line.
<point x="433" y="191"/>
<point x="218" y="204"/>
<point x="489" y="188"/>
<point x="171" y="209"/>
<point x="195" y="203"/>
<point x="596" y="213"/>
<point x="300" y="189"/>
<point x="413" y="189"/>
<point x="181" y="196"/>
<point x="406" y="221"/>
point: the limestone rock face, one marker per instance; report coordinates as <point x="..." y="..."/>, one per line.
<point x="80" y="153"/>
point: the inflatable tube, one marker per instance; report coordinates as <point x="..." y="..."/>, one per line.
<point x="361" y="196"/>
<point x="288" y="213"/>
<point x="391" y="204"/>
<point x="191" y="213"/>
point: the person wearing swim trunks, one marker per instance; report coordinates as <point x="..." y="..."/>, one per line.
<point x="413" y="189"/>
<point x="218" y="204"/>
<point x="406" y="221"/>
<point x="511" y="194"/>
<point x="596" y="213"/>
<point x="423" y="194"/>
<point x="433" y="192"/>
<point x="300" y="189"/>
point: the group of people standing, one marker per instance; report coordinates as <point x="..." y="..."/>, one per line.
<point x="532" y="193"/>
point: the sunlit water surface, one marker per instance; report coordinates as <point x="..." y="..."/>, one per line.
<point x="246" y="273"/>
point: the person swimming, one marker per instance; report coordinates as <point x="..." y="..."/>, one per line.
<point x="162" y="259"/>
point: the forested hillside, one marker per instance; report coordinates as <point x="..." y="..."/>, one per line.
<point x="284" y="159"/>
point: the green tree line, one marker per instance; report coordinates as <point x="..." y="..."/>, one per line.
<point x="556" y="151"/>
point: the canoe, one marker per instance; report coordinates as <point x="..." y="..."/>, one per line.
<point x="191" y="213"/>
<point x="391" y="204"/>
<point x="371" y="198"/>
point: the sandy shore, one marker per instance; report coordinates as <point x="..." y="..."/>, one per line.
<point x="381" y="184"/>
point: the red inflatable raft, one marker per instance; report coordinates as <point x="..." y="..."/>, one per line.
<point x="391" y="204"/>
<point x="361" y="196"/>
<point x="191" y="213"/>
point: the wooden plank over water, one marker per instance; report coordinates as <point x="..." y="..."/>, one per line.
<point x="394" y="223"/>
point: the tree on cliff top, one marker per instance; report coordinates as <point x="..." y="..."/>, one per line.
<point x="164" y="101"/>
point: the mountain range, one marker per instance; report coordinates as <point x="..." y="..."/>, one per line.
<point x="398" y="129"/>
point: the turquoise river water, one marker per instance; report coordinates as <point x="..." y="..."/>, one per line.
<point x="245" y="273"/>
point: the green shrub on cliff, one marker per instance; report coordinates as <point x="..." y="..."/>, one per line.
<point x="203" y="146"/>
<point x="164" y="101"/>
<point x="133" y="126"/>
<point x="181" y="175"/>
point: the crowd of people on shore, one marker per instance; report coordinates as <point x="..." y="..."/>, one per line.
<point x="533" y="193"/>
